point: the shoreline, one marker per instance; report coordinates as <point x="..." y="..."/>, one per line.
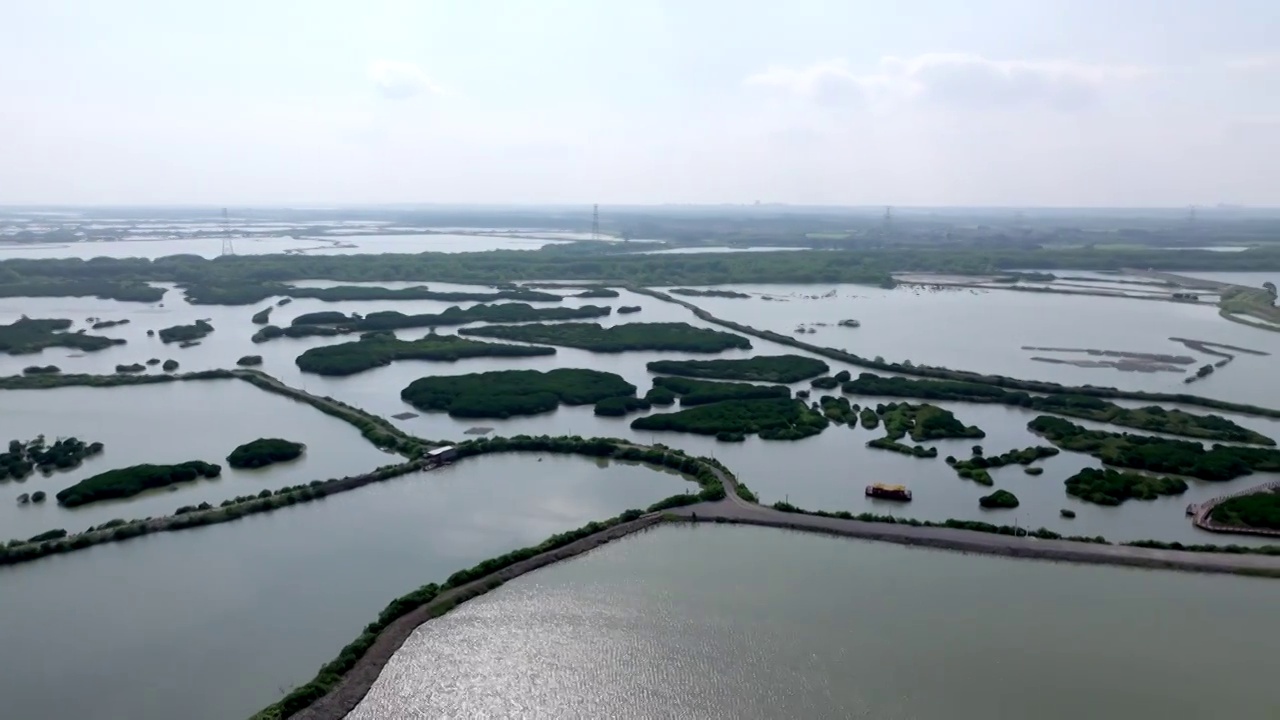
<point x="351" y="689"/>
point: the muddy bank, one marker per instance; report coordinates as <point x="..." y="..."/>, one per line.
<point x="355" y="684"/>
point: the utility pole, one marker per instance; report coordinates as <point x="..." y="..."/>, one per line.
<point x="888" y="221"/>
<point x="595" y="222"/>
<point x="227" y="248"/>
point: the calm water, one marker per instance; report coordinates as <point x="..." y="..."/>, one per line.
<point x="985" y="331"/>
<point x="214" y="623"/>
<point x="724" y="622"/>
<point x="828" y="471"/>
<point x="212" y="247"/>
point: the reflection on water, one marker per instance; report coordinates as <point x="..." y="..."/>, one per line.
<point x="215" y="623"/>
<point x="740" y="623"/>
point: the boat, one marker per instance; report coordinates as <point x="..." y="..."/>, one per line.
<point x="888" y="492"/>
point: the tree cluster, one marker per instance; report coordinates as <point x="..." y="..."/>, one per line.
<point x="505" y="393"/>
<point x="673" y="337"/>
<point x="129" y="481"/>
<point x="263" y="452"/>
<point x="762" y="368"/>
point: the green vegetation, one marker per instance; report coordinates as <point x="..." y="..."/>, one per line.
<point x="379" y="349"/>
<point x="38" y="496"/>
<point x="247" y="292"/>
<point x="249" y="361"/>
<point x="271" y="332"/>
<point x="824" y="383"/>
<point x="263" y="316"/>
<point x="24" y="457"/>
<point x="1068" y="514"/>
<point x="101" y="324"/>
<point x="660" y="396"/>
<point x="621" y="405"/>
<point x="1110" y="487"/>
<point x="1156" y="454"/>
<point x="1260" y="510"/>
<point x="999" y="499"/>
<point x="628" y="309"/>
<point x="169" y="365"/>
<point x="131" y="368"/>
<point x="62" y="286"/>
<point x="690" y="292"/>
<point x="504" y="393"/>
<point x="29" y="335"/>
<point x="870" y="420"/>
<point x="505" y="313"/>
<point x="598" y="292"/>
<point x="763" y="368"/>
<point x="185" y="333"/>
<point x="919" y="451"/>
<point x="674" y="337"/>
<point x="129" y="481"/>
<point x="41" y="370"/>
<point x="771" y="419"/>
<point x="263" y="452"/>
<point x="1156" y="419"/>
<point x="153" y="361"/>
<point x="975" y="468"/>
<point x="923" y="422"/>
<point x="838" y="410"/>
<point x="701" y="392"/>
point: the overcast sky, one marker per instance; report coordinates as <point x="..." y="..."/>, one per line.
<point x="913" y="102"/>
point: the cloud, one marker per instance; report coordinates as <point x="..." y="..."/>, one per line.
<point x="1255" y="63"/>
<point x="398" y="80"/>
<point x="950" y="78"/>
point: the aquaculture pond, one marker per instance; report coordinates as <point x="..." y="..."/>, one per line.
<point x="727" y="623"/>
<point x="218" y="622"/>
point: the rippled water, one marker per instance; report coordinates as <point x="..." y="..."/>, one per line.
<point x="729" y="623"/>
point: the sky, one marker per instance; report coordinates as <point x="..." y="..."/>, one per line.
<point x="835" y="102"/>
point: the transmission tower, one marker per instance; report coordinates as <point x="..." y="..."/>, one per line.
<point x="888" y="221"/>
<point x="227" y="248"/>
<point x="1191" y="215"/>
<point x="595" y="222"/>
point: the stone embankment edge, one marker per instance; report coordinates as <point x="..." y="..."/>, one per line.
<point x="355" y="684"/>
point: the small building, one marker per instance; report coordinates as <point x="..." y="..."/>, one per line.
<point x="443" y="454"/>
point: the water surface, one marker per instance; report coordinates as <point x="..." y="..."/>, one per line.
<point x="734" y="623"/>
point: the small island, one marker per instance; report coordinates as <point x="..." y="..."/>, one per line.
<point x="263" y="452"/>
<point x="506" y="393"/>
<point x="1152" y="418"/>
<point x="1111" y="487"/>
<point x="763" y="368"/>
<point x="249" y="361"/>
<point x="262" y="317"/>
<point x="1000" y="499"/>
<point x="824" y="383"/>
<point x="169" y="365"/>
<point x="153" y="361"/>
<point x="24" y="457"/>
<point x="26" y="336"/>
<point x="1253" y="511"/>
<point x="130" y="481"/>
<point x="771" y="419"/>
<point x="109" y="323"/>
<point x="41" y="370"/>
<point x="394" y="320"/>
<point x="1158" y="454"/>
<point x="379" y="349"/>
<point x="598" y="292"/>
<point x="271" y="332"/>
<point x="621" y="405"/>
<point x="131" y="368"/>
<point x="691" y="292"/>
<point x="628" y="309"/>
<point x="673" y="337"/>
<point x="975" y="468"/>
<point x="185" y="333"/>
<point x="701" y="392"/>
